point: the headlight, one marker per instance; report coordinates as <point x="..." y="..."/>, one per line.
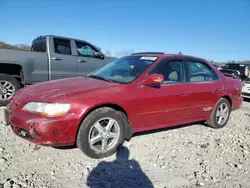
<point x="49" y="109"/>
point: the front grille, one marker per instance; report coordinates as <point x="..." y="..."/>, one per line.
<point x="245" y="94"/>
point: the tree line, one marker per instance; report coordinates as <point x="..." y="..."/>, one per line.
<point x="16" y="46"/>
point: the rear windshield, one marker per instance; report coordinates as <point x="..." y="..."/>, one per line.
<point x="39" y="44"/>
<point x="236" y="66"/>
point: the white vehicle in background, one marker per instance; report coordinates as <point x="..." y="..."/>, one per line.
<point x="245" y="91"/>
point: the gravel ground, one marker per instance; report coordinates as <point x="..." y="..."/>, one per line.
<point x="189" y="156"/>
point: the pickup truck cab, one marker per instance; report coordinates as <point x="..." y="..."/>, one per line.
<point x="51" y="57"/>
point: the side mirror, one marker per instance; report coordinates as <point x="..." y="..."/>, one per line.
<point x="153" y="79"/>
<point x="99" y="55"/>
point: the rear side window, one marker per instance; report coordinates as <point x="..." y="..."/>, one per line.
<point x="39" y="44"/>
<point x="62" y="46"/>
<point x="200" y="72"/>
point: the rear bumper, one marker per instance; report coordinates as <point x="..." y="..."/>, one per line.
<point x="59" y="131"/>
<point x="237" y="102"/>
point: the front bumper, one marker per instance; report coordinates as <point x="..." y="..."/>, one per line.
<point x="245" y="95"/>
<point x="245" y="92"/>
<point x="47" y="131"/>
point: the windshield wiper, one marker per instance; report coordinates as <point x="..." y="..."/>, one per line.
<point x="100" y="78"/>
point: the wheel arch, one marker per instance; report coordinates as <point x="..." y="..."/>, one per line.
<point x="212" y="122"/>
<point x="116" y="107"/>
<point x="12" y="69"/>
<point x="228" y="98"/>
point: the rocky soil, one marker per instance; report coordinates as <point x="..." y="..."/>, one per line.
<point x="190" y="156"/>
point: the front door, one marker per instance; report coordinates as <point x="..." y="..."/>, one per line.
<point x="86" y="61"/>
<point x="165" y="103"/>
<point x="63" y="63"/>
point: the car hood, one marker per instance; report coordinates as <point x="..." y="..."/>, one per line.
<point x="62" y="88"/>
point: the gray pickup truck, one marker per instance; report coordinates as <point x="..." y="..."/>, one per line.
<point x="50" y="58"/>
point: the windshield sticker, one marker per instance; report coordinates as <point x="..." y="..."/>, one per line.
<point x="148" y="62"/>
<point x="148" y="58"/>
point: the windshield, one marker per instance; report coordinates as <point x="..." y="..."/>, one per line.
<point x="124" y="69"/>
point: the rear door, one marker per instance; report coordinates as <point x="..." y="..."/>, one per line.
<point x="203" y="86"/>
<point x="63" y="63"/>
<point x="86" y="59"/>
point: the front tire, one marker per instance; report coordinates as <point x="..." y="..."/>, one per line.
<point x="220" y="114"/>
<point x="8" y="86"/>
<point x="101" y="133"/>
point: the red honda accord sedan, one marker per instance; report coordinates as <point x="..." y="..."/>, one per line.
<point x="140" y="92"/>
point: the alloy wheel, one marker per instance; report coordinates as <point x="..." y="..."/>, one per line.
<point x="222" y="113"/>
<point x="7" y="90"/>
<point x="104" y="134"/>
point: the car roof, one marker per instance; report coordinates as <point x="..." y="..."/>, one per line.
<point x="164" y="55"/>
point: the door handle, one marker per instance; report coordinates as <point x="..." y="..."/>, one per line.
<point x="56" y="58"/>
<point x="81" y="61"/>
<point x="184" y="94"/>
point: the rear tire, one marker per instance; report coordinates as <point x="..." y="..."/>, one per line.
<point x="220" y="114"/>
<point x="8" y="86"/>
<point x="101" y="133"/>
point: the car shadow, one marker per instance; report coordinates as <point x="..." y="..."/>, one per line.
<point x="145" y="133"/>
<point x="169" y="128"/>
<point x="65" y="147"/>
<point x="121" y="172"/>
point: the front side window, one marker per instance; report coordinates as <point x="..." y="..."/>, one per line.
<point x="200" y="72"/>
<point x="171" y="70"/>
<point x="62" y="46"/>
<point x="123" y="70"/>
<point x="85" y="50"/>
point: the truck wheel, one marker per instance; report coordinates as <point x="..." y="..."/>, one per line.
<point x="101" y="133"/>
<point x="220" y="114"/>
<point x="8" y="86"/>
